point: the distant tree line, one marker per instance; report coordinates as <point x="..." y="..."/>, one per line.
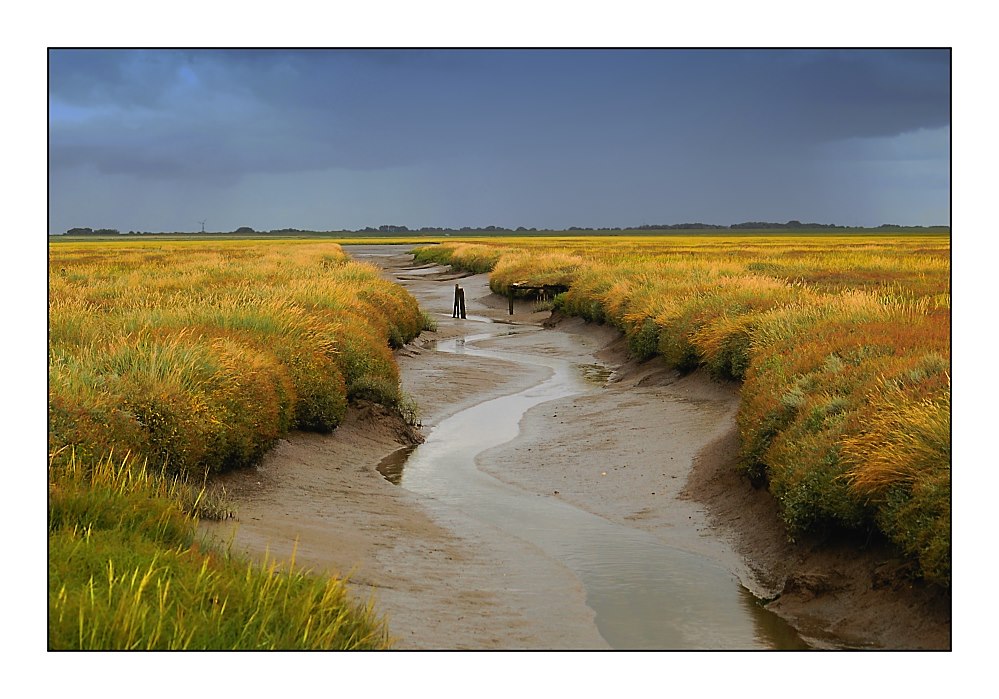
<point x="755" y="225"/>
<point x="678" y="227"/>
<point x="91" y="231"/>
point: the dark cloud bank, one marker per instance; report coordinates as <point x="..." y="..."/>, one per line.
<point x="156" y="140"/>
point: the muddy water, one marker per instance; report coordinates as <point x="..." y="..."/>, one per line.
<point x="645" y="594"/>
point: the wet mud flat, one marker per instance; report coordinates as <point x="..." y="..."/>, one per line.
<point x="616" y="464"/>
<point x="646" y="592"/>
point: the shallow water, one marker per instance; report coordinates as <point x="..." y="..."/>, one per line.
<point x="645" y="594"/>
<point x="392" y="466"/>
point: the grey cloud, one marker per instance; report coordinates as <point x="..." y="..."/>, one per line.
<point x="605" y="132"/>
<point x="871" y="93"/>
<point x="362" y="109"/>
<point x="251" y="112"/>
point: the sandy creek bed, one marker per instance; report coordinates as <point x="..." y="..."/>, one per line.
<point x="504" y="551"/>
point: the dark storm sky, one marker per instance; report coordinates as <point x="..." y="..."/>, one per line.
<point x="159" y="140"/>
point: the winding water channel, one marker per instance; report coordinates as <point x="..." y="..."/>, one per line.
<point x="645" y="593"/>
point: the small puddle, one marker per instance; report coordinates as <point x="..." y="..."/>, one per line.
<point x="391" y="466"/>
<point x="595" y="373"/>
<point x="646" y="594"/>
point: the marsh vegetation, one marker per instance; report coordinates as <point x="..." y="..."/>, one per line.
<point x="169" y="361"/>
<point x="842" y="345"/>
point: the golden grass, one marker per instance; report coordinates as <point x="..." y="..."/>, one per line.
<point x="201" y="354"/>
<point x="191" y="357"/>
<point x="126" y="573"/>
<point x="818" y="327"/>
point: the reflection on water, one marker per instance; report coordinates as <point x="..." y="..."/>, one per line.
<point x="646" y="594"/>
<point x="392" y="465"/>
<point x="771" y="626"/>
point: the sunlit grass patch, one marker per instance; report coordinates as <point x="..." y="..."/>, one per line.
<point x="126" y="573"/>
<point x="200" y="354"/>
<point x="194" y="357"/>
<point x="814" y="326"/>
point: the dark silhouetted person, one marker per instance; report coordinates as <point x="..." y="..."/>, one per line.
<point x="459" y="302"/>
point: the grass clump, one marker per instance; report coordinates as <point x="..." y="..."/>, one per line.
<point x="896" y="462"/>
<point x="474" y="258"/>
<point x="429" y="324"/>
<point x="202" y="358"/>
